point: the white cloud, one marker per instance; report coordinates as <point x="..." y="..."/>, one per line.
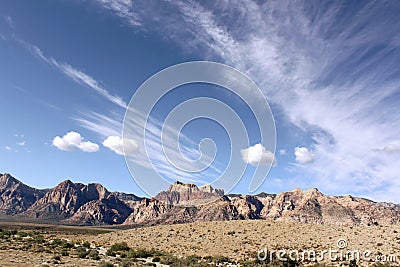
<point x="72" y="140"/>
<point x="88" y="146"/>
<point x="258" y="154"/>
<point x="282" y="152"/>
<point x="22" y="143"/>
<point x="116" y="144"/>
<point x="303" y="155"/>
<point x="123" y="8"/>
<point x="8" y="148"/>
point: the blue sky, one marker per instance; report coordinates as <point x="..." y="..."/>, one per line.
<point x="328" y="69"/>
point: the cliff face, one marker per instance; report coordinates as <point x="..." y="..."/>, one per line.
<point x="93" y="204"/>
<point x="109" y="210"/>
<point x="189" y="194"/>
<point x="305" y="206"/>
<point x="16" y="197"/>
<point x="65" y="199"/>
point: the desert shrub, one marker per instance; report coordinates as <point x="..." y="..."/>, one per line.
<point x="110" y="253"/>
<point x="169" y="260"/>
<point x="57" y="242"/>
<point x="192" y="259"/>
<point x="81" y="252"/>
<point x="126" y="263"/>
<point x="106" y="264"/>
<point x="5" y="234"/>
<point x="174" y="261"/>
<point x="67" y="244"/>
<point x="64" y="253"/>
<point x="156" y="259"/>
<point x="57" y="258"/>
<point x="140" y="253"/>
<point x="207" y="258"/>
<point x="220" y="259"/>
<point x="123" y="246"/>
<point x="117" y="248"/>
<point x="13" y="232"/>
<point x="86" y="244"/>
<point x="23" y="234"/>
<point x="39" y="239"/>
<point x="94" y="254"/>
<point x="39" y="249"/>
<point x="353" y="263"/>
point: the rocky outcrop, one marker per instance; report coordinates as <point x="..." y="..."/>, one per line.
<point x="189" y="194"/>
<point x="151" y="211"/>
<point x="16" y="197"/>
<point x="65" y="199"/>
<point x="109" y="210"/>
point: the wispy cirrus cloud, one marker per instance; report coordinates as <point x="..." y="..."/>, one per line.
<point x="9" y="22"/>
<point x="331" y="67"/>
<point x="77" y="75"/>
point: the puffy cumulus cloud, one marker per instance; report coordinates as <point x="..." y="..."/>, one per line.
<point x="72" y="140"/>
<point x="303" y="155"/>
<point x="88" y="146"/>
<point x="258" y="154"/>
<point x="116" y="144"/>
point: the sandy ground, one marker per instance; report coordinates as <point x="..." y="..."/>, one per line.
<point x="240" y="240"/>
<point x="237" y="240"/>
<point x="21" y="258"/>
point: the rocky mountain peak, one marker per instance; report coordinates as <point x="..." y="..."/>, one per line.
<point x="6" y="178"/>
<point x="189" y="194"/>
<point x="15" y="196"/>
<point x="66" y="198"/>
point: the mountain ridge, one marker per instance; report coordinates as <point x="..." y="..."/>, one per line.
<point x="93" y="204"/>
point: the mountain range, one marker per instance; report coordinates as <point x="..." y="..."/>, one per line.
<point x="92" y="204"/>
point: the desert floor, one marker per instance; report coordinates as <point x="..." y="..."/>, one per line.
<point x="235" y="240"/>
<point x="240" y="240"/>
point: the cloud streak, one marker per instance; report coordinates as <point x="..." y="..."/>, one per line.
<point x="78" y="76"/>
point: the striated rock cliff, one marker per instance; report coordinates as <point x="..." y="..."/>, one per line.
<point x="189" y="194"/>
<point x="65" y="199"/>
<point x="16" y="197"/>
<point x="109" y="210"/>
<point x="93" y="204"/>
